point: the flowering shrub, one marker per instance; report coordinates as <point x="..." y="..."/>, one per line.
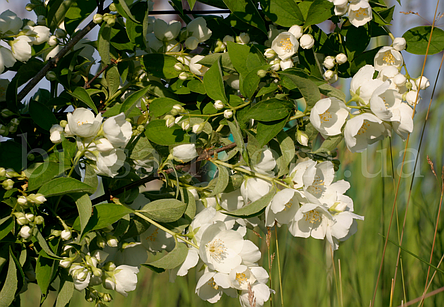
<point x="250" y="95"/>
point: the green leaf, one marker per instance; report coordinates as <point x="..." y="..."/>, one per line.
<point x="157" y="132"/>
<point x="103" y="215"/>
<point x="308" y="88"/>
<point x="171" y="260"/>
<point x="65" y="293"/>
<point x="268" y="130"/>
<point x="319" y="11"/>
<point x="84" y="206"/>
<point x="197" y="87"/>
<point x="282" y="12"/>
<point x="250" y="83"/>
<point x="6" y="225"/>
<point x="269" y="88"/>
<point x="329" y="145"/>
<point x="270" y="110"/>
<point x="191" y="3"/>
<point x="103" y="43"/>
<point x="91" y="177"/>
<point x="160" y="65"/>
<point x="225" y="59"/>
<point x="78" y="11"/>
<point x="238" y="55"/>
<point x="308" y="60"/>
<point x="287" y="152"/>
<point x="130" y="103"/>
<point x="112" y="77"/>
<point x="57" y="12"/>
<point x="221" y="180"/>
<point x="7" y="294"/>
<point x="330" y="91"/>
<point x="41" y="115"/>
<point x="81" y="94"/>
<point x="255" y="207"/>
<point x="247" y="12"/>
<point x="164" y="210"/>
<point x="161" y="106"/>
<point x="124" y="10"/>
<point x="45" y="172"/>
<point x="214" y="84"/>
<point x="43" y="273"/>
<point x="237" y="134"/>
<point x="44" y="245"/>
<point x="417" y="40"/>
<point x="64" y="185"/>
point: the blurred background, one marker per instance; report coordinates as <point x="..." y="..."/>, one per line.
<point x="309" y="277"/>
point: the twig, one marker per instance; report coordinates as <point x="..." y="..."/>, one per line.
<point x="88" y="84"/>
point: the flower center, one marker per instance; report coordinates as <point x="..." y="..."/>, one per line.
<point x="288" y="205"/>
<point x="241" y="278"/>
<point x="388" y="58"/>
<point x="364" y="127"/>
<point x="80" y="123"/>
<point x="317" y="186"/>
<point x="286" y="44"/>
<point x="213" y="284"/>
<point x="362" y="12"/>
<point x="325" y="117"/>
<point x="217" y="250"/>
<point x="312" y="216"/>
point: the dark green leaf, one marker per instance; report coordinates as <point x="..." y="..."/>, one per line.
<point x="418" y="38"/>
<point x="64" y="185"/>
<point x="270" y="88"/>
<point x="330" y="144"/>
<point x="249" y="83"/>
<point x="7" y="294"/>
<point x="124" y="10"/>
<point x="268" y="130"/>
<point x="12" y="155"/>
<point x="157" y="132"/>
<point x="84" y="206"/>
<point x="6" y="225"/>
<point x="57" y="11"/>
<point x="197" y="87"/>
<point x="65" y="293"/>
<point x="270" y="110"/>
<point x="164" y="210"/>
<point x="104" y="43"/>
<point x="91" y="177"/>
<point x="171" y="260"/>
<point x="45" y="172"/>
<point x="287" y="152"/>
<point x="160" y="65"/>
<point x="43" y="273"/>
<point x="319" y="11"/>
<point x="221" y="180"/>
<point x="330" y="91"/>
<point x="81" y="94"/>
<point x="247" y="12"/>
<point x="214" y="84"/>
<point x="282" y="12"/>
<point x="112" y="77"/>
<point x="44" y="245"/>
<point x="308" y="88"/>
<point x="78" y="11"/>
<point x="41" y="115"/>
<point x="103" y="216"/>
<point x="237" y="134"/>
<point x="130" y="103"/>
<point x="161" y="106"/>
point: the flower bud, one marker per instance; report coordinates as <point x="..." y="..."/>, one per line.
<point x="107" y="297"/>
<point x="2" y="172"/>
<point x="399" y="43"/>
<point x="15" y="121"/>
<point x="65" y="262"/>
<point x="41" y="20"/>
<point x="55" y="232"/>
<point x="6" y="113"/>
<point x="51" y="76"/>
<point x="109" y="266"/>
<point x="329" y="74"/>
<point x="60" y="33"/>
<point x="410" y="97"/>
<point x="112" y="7"/>
<point x="422" y="83"/>
<point x="29" y="217"/>
<point x="4" y="130"/>
<point x="269" y="53"/>
<point x="184" y="153"/>
<point x="302" y="138"/>
<point x="341" y="58"/>
<point x="197" y="128"/>
<point x="243" y="38"/>
<point x="329" y="62"/>
<point x="22" y="201"/>
<point x="178" y="66"/>
<point x="25" y="232"/>
<point x="65" y="235"/>
<point x="185" y="124"/>
<point x="37" y="199"/>
<point x="29" y="7"/>
<point x="399" y="80"/>
<point x="7" y="184"/>
<point x="21" y="218"/>
<point x="169" y="121"/>
<point x="183" y="76"/>
<point x="111" y="241"/>
<point x="52" y="41"/>
<point x="228" y="113"/>
<point x="218" y="105"/>
<point x="306" y="41"/>
<point x="98" y="18"/>
<point x="275" y="64"/>
<point x="39" y="220"/>
<point x="261" y="73"/>
<point x="177" y="108"/>
<point x="111" y="20"/>
<point x="296" y="30"/>
<point x="228" y="38"/>
<point x="100" y="241"/>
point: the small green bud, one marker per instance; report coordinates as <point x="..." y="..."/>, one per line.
<point x="39" y="220"/>
<point x="261" y="73"/>
<point x="29" y="7"/>
<point x="63" y="123"/>
<point x="2" y="172"/>
<point x="8" y="184"/>
<point x="51" y="76"/>
<point x="6" y="113"/>
<point x="98" y="18"/>
<point x="60" y="33"/>
<point x="112" y="7"/>
<point x="169" y="121"/>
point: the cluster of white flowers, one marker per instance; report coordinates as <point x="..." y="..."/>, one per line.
<point x="359" y="11"/>
<point x="330" y="63"/>
<point x="20" y="38"/>
<point x="380" y="102"/>
<point x="102" y="143"/>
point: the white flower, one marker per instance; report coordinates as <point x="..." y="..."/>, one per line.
<point x="65" y="235"/>
<point x="109" y="163"/>
<point x="266" y="164"/>
<point x="399" y="43"/>
<point x="388" y="73"/>
<point x="191" y="42"/>
<point x="329" y="62"/>
<point x="404" y="125"/>
<point x="363" y="83"/>
<point x="6" y="59"/>
<point x="422" y="83"/>
<point x="124" y="279"/>
<point x="272" y="33"/>
<point x="117" y="130"/>
<point x="83" y="123"/>
<point x="341" y="58"/>
<point x="340" y="9"/>
<point x="184" y="153"/>
<point x="220" y="248"/>
<point x="254" y="188"/>
<point x="283" y="207"/>
<point x="197" y="68"/>
<point x="328" y="116"/>
<point x="399" y="80"/>
<point x="103" y="145"/>
<point x="275" y="64"/>
<point x="166" y="31"/>
<point x="243" y="38"/>
<point x="242" y="276"/>
<point x="25" y="232"/>
<point x="80" y="275"/>
<point x="261" y="293"/>
<point x="40" y="35"/>
<point x="411" y="96"/>
<point x="359" y="13"/>
<point x="198" y="28"/>
<point x="218" y="105"/>
<point x="212" y="285"/>
<point x="157" y="240"/>
<point x="190" y="261"/>
<point x="10" y="23"/>
<point x="306" y="41"/>
<point x="285" y="45"/>
<point x="388" y="56"/>
<point x="269" y="53"/>
<point x="384" y="100"/>
<point x="172" y="46"/>
<point x="56" y="134"/>
<point x="228" y="113"/>
<point x="286" y="64"/>
<point x="296" y="30"/>
<point x="362" y="130"/>
<point x="21" y="48"/>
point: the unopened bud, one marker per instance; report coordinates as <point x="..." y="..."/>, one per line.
<point x="29" y="7"/>
<point x="37" y="199"/>
<point x="341" y="58"/>
<point x="185" y="125"/>
<point x="261" y="73"/>
<point x="100" y="241"/>
<point x="51" y="76"/>
<point x="183" y="76"/>
<point x="7" y="184"/>
<point x="6" y="113"/>
<point x="55" y="232"/>
<point x="228" y="113"/>
<point x="63" y="123"/>
<point x="2" y="172"/>
<point x="218" y="105"/>
<point x="29" y="217"/>
<point x="60" y="33"/>
<point x="65" y="262"/>
<point x="169" y="121"/>
<point x="39" y="220"/>
<point x="25" y="232"/>
<point x="269" y="53"/>
<point x="3" y="130"/>
<point x="178" y="66"/>
<point x="65" y="235"/>
<point x="112" y="7"/>
<point x="52" y="41"/>
<point x="107" y="297"/>
<point x="197" y="128"/>
<point x="302" y="138"/>
<point x="98" y="18"/>
<point x="177" y="108"/>
<point x="111" y="241"/>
